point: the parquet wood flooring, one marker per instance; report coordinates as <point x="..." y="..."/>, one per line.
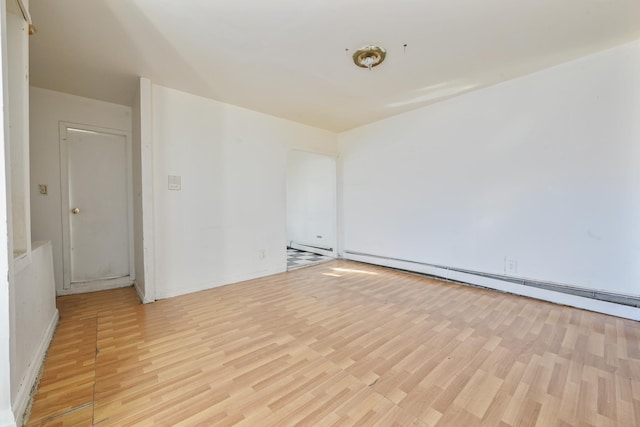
<point x="341" y="344"/>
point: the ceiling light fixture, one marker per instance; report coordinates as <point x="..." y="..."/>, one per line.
<point x="369" y="56"/>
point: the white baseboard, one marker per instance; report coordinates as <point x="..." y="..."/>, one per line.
<point x="97" y="286"/>
<point x="590" y="304"/>
<point x="141" y="295"/>
<point x="24" y="392"/>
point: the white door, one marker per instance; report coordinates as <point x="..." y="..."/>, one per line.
<point x="96" y="208"/>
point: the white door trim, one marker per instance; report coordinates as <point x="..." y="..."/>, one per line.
<point x="148" y="198"/>
<point x="66" y="227"/>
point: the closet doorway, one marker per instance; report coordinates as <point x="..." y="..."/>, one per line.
<point x="311" y="208"/>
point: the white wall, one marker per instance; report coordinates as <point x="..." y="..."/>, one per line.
<point x="143" y="192"/>
<point x="543" y="170"/>
<point x="7" y="418"/>
<point x="136" y="164"/>
<point x="311" y="199"/>
<point x="28" y="313"/>
<point x="18" y="85"/>
<point x="227" y="223"/>
<point x="34" y="320"/>
<point x="47" y="109"/>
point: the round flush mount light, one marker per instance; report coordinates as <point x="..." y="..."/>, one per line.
<point x="369" y="56"/>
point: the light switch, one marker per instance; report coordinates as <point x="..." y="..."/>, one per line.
<point x="175" y="182"/>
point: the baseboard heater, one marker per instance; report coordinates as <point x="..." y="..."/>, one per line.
<point x="628" y="300"/>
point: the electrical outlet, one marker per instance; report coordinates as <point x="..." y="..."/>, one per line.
<point x="510" y="266"/>
<point x="262" y="254"/>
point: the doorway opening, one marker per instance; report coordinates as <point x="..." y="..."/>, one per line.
<point x="311" y="208"/>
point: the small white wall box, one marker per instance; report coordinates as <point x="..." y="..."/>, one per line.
<point x="175" y="182"/>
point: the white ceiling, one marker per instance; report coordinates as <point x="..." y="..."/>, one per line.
<point x="287" y="57"/>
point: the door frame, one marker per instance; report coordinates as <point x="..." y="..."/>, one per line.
<point x="96" y="285"/>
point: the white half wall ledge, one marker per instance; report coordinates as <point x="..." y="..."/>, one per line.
<point x="598" y="306"/>
<point x="24" y="393"/>
<point x="35" y="319"/>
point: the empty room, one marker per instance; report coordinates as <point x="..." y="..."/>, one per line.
<point x="336" y="213"/>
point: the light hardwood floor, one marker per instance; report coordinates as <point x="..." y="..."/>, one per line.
<point x="340" y="343"/>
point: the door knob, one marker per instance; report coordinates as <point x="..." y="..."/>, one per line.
<point x="75" y="211"/>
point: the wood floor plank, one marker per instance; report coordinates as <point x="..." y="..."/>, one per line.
<point x="79" y="418"/>
<point x="340" y="343"/>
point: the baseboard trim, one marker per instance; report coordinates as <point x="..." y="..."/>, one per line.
<point x="26" y="387"/>
<point x="141" y="296"/>
<point x="95" y="287"/>
<point x="508" y="286"/>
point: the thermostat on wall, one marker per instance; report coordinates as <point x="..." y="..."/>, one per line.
<point x="175" y="182"/>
